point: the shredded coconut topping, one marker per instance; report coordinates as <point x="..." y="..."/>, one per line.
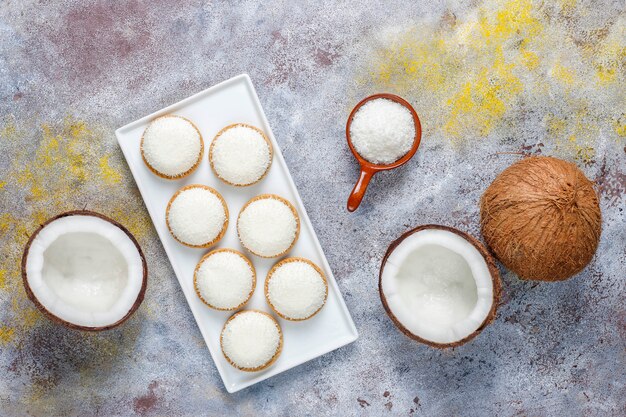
<point x="196" y="216"/>
<point x="296" y="290"/>
<point x="225" y="280"/>
<point x="250" y="339"/>
<point x="267" y="227"/>
<point x="382" y="131"/>
<point x="240" y="155"/>
<point x="171" y="145"/>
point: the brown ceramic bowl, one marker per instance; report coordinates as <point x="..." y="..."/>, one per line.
<point x="368" y="169"/>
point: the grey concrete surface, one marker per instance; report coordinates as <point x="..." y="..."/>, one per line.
<point x="492" y="82"/>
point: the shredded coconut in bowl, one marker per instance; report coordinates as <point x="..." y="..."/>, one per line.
<point x="382" y="131"/>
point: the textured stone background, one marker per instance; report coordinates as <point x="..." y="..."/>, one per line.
<point x="491" y="81"/>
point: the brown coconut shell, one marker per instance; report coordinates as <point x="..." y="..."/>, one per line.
<point x="491" y="266"/>
<point x="59" y="320"/>
<point x="541" y="217"/>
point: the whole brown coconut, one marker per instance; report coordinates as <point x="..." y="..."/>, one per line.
<point x="541" y="218"/>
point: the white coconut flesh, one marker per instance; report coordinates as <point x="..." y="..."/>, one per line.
<point x="84" y="270"/>
<point x="438" y="286"/>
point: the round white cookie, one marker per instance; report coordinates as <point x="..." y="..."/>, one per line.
<point x="240" y="155"/>
<point x="224" y="279"/>
<point x="172" y="146"/>
<point x="197" y="216"/>
<point x="268" y="226"/>
<point x="296" y="289"/>
<point x="251" y="340"/>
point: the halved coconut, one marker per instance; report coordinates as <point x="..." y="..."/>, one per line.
<point x="439" y="285"/>
<point x="84" y="270"/>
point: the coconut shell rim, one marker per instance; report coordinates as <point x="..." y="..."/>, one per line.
<point x="491" y="266"/>
<point x="66" y="323"/>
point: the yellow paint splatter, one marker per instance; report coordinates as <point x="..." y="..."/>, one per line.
<point x="563" y="74"/>
<point x="567" y="6"/>
<point x="472" y="75"/>
<point x="610" y="61"/>
<point x="620" y="126"/>
<point x="6" y="221"/>
<point x="483" y="100"/>
<point x="9" y="130"/>
<point x="573" y="137"/>
<point x="529" y="59"/>
<point x="77" y="128"/>
<point x="108" y="174"/>
<point x="555" y="125"/>
<point x="470" y="67"/>
<point x="515" y="21"/>
<point x="68" y="169"/>
<point x="6" y="335"/>
<point x="25" y="315"/>
<point x="139" y="226"/>
<point x="29" y="317"/>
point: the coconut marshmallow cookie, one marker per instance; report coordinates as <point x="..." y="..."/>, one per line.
<point x="197" y="216"/>
<point x="224" y="279"/>
<point x="268" y="226"/>
<point x="296" y="289"/>
<point x="240" y="155"/>
<point x="251" y="340"/>
<point x="382" y="131"/>
<point x="172" y="147"/>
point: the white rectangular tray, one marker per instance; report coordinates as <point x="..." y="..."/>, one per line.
<point x="233" y="101"/>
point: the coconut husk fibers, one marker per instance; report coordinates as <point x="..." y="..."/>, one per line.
<point x="541" y="218"/>
<point x="59" y="320"/>
<point x="491" y="266"/>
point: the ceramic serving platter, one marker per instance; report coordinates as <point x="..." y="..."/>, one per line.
<point x="234" y="101"/>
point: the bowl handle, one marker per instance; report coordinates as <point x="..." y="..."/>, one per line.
<point x="359" y="189"/>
